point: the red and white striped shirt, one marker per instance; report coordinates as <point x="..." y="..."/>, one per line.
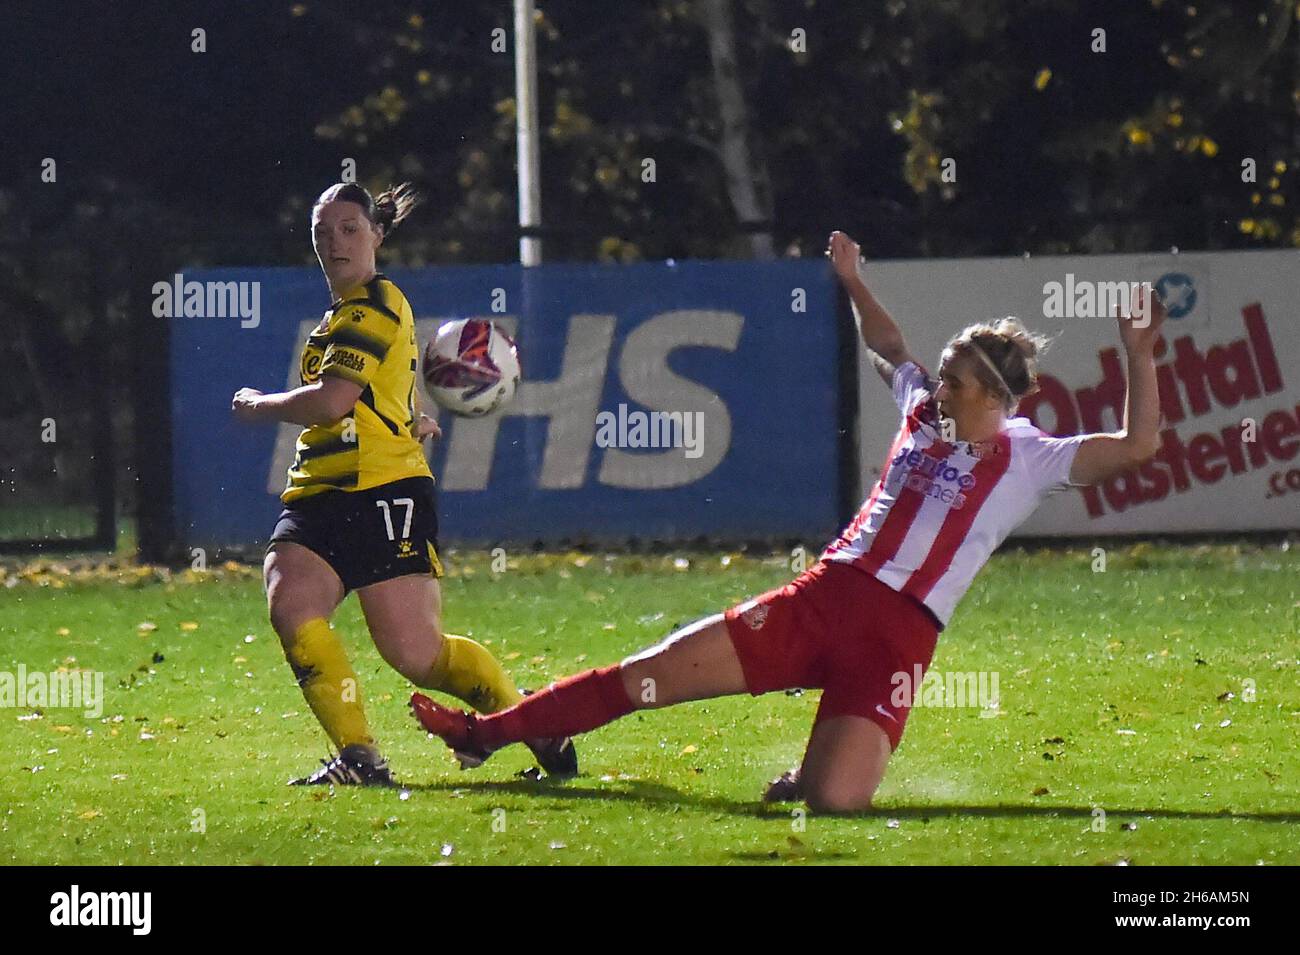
<point x="939" y="510"/>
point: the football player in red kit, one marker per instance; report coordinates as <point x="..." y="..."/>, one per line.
<point x="962" y="474"/>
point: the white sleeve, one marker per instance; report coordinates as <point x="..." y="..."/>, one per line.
<point x="1049" y="459"/>
<point x="911" y="386"/>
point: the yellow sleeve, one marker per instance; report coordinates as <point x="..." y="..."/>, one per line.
<point x="359" y="338"/>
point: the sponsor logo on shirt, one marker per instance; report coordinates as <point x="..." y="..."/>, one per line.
<point x="350" y="360"/>
<point x="933" y="477"/>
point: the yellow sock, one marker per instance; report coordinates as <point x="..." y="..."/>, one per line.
<point x="329" y="683"/>
<point x="467" y="671"/>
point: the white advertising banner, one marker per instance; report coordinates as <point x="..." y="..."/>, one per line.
<point x="1228" y="369"/>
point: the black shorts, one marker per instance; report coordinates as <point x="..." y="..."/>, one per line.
<point x="368" y="536"/>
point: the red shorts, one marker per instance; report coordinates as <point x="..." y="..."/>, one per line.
<point x="840" y="630"/>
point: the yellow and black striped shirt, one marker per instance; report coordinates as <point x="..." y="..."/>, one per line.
<point x="366" y="337"/>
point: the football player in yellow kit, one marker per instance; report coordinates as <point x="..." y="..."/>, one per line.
<point x="359" y="505"/>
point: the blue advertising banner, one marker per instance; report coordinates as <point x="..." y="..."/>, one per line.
<point x="664" y="401"/>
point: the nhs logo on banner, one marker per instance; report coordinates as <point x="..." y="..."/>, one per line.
<point x="681" y="435"/>
<point x="658" y="401"/>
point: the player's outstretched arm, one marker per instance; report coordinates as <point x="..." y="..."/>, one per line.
<point x="1104" y="455"/>
<point x="322" y="402"/>
<point x="880" y="333"/>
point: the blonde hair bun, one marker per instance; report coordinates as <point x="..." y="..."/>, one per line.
<point x="1005" y="356"/>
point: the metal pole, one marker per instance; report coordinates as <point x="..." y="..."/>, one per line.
<point x="530" y="190"/>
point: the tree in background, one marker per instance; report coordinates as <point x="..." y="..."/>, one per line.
<point x="952" y="127"/>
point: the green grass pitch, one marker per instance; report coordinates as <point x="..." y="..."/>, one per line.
<point x="1148" y="713"/>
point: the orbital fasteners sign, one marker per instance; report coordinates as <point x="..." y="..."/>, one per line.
<point x="1228" y="369"/>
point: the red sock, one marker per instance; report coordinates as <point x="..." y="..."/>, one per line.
<point x="574" y="705"/>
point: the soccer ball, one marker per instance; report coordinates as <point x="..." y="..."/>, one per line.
<point x="471" y="367"/>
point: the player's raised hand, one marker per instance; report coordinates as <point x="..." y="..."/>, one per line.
<point x="244" y="404"/>
<point x="845" y="254"/>
<point x="427" y="427"/>
<point x="1138" y="331"/>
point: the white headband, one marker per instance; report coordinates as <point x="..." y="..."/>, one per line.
<point x="988" y="363"/>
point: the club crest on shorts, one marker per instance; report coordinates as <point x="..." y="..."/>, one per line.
<point x="754" y="614"/>
<point x="405" y="549"/>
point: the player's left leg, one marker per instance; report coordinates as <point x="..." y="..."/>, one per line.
<point x="404" y="616"/>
